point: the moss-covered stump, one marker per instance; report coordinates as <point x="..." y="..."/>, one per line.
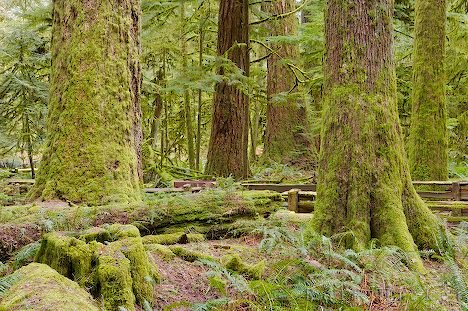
<point x="111" y="261"/>
<point x="38" y="287"/>
<point x="214" y="212"/>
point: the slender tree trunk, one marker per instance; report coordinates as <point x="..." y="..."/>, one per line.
<point x="227" y="151"/>
<point x="187" y="108"/>
<point x="93" y="152"/>
<point x="200" y="102"/>
<point x="157" y="110"/>
<point x="286" y="120"/>
<point x="428" y="141"/>
<point x="364" y="185"/>
<point x="29" y="145"/>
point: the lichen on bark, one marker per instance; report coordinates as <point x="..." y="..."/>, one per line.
<point x="428" y="140"/>
<point x="93" y="151"/>
<point x="364" y="186"/>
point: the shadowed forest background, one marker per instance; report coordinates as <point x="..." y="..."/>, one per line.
<point x="233" y="155"/>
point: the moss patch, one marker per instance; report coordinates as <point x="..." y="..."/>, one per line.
<point x="41" y="288"/>
<point x="119" y="271"/>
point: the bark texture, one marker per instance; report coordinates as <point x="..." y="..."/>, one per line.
<point x="227" y="151"/>
<point x="428" y="141"/>
<point x="364" y="185"/>
<point x="93" y="152"/>
<point x="286" y="119"/>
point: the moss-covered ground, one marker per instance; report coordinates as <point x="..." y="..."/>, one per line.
<point x="218" y="250"/>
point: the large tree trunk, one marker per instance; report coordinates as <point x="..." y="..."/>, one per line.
<point x="93" y="152"/>
<point x="227" y="151"/>
<point x="364" y="185"/>
<point x="428" y="142"/>
<point x="286" y="119"/>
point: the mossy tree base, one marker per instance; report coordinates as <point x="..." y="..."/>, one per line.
<point x="119" y="271"/>
<point x="93" y="151"/>
<point x="364" y="188"/>
<point x="38" y="287"/>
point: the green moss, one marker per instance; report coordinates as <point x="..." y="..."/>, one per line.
<point x="211" y="212"/>
<point x="189" y="255"/>
<point x="428" y="140"/>
<point x="94" y="116"/>
<point x="235" y="263"/>
<point x="144" y="276"/>
<point x="92" y="264"/>
<point x="40" y="288"/>
<point x="118" y="231"/>
<point x="68" y="256"/>
<point x="364" y="188"/>
<point x="95" y="234"/>
<point x="161" y="250"/>
<point x="173" y="238"/>
<point x="114" y="279"/>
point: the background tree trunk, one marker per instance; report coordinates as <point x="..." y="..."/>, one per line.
<point x="227" y="150"/>
<point x="93" y="152"/>
<point x="364" y="185"/>
<point x="286" y="120"/>
<point x="428" y="140"/>
<point x="187" y="104"/>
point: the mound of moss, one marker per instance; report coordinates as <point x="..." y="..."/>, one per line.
<point x="38" y="287"/>
<point x="111" y="261"/>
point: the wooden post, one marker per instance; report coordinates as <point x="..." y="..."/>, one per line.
<point x="293" y="200"/>
<point x="456" y="191"/>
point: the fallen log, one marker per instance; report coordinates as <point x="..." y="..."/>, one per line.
<point x="211" y="211"/>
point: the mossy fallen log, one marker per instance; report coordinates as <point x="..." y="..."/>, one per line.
<point x="38" y="287"/>
<point x="173" y="238"/>
<point x="158" y="214"/>
<point x="110" y="261"/>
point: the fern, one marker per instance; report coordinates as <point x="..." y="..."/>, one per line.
<point x="237" y="281"/>
<point x="26" y="255"/>
<point x="210" y="304"/>
<point x="6" y="283"/>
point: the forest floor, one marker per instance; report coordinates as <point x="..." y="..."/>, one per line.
<point x="267" y="265"/>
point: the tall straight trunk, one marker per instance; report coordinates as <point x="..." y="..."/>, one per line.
<point x="227" y="151"/>
<point x="364" y="184"/>
<point x="286" y="120"/>
<point x="93" y="153"/>
<point x="29" y="145"/>
<point x="157" y="110"/>
<point x="428" y="140"/>
<point x="200" y="102"/>
<point x="187" y="108"/>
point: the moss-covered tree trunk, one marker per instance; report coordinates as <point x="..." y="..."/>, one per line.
<point x="364" y="185"/>
<point x="428" y="141"/>
<point x="93" y="153"/>
<point x="227" y="151"/>
<point x="286" y="119"/>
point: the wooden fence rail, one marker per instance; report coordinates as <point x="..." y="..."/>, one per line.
<point x="446" y="190"/>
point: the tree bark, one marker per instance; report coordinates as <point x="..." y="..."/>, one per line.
<point x="187" y="105"/>
<point x="286" y="119"/>
<point x="93" y="153"/>
<point x="428" y="140"/>
<point x="227" y="151"/>
<point x="364" y="185"/>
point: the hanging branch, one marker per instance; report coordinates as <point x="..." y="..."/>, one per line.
<point x="278" y="16"/>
